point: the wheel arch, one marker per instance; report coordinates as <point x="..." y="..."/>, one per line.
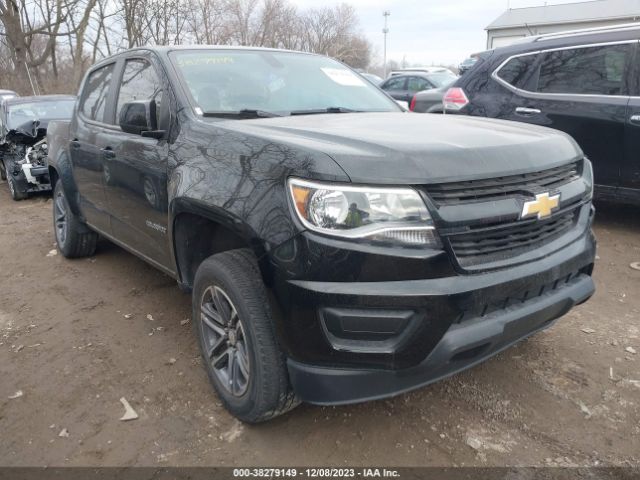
<point x="60" y="171"/>
<point x="199" y="231"/>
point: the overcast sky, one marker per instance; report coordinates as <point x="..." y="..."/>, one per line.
<point x="428" y="31"/>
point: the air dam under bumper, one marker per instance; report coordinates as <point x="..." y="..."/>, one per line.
<point x="463" y="345"/>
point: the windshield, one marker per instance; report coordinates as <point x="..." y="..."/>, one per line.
<point x="442" y="79"/>
<point x="275" y="82"/>
<point x="20" y="113"/>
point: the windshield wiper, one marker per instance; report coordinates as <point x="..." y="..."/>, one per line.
<point x="244" y="113"/>
<point x="316" y="111"/>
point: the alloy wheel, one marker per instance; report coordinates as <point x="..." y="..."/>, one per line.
<point x="60" y="218"/>
<point x="225" y="342"/>
<point x="12" y="187"/>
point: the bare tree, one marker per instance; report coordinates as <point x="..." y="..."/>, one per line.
<point x="53" y="42"/>
<point x="22" y="26"/>
<point x="333" y="32"/>
<point x="207" y="22"/>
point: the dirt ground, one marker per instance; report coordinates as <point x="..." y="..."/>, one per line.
<point x="76" y="336"/>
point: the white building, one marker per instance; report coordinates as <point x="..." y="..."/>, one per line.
<point x="516" y="23"/>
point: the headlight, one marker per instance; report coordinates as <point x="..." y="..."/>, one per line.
<point x="376" y="214"/>
<point x="587" y="175"/>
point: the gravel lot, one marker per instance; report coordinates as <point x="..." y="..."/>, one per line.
<point x="76" y="336"/>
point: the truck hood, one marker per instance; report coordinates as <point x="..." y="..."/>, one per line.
<point x="407" y="148"/>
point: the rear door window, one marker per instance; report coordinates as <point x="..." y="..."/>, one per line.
<point x="596" y="70"/>
<point x="96" y="89"/>
<point x="417" y="84"/>
<point x="395" y="84"/>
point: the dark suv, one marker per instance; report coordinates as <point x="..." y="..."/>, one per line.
<point x="337" y="248"/>
<point x="585" y="83"/>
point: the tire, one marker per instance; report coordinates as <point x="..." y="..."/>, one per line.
<point x="259" y="389"/>
<point x="3" y="172"/>
<point x="14" y="189"/>
<point x="74" y="238"/>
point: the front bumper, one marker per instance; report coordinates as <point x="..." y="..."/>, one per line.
<point x="462" y="347"/>
<point x="446" y="324"/>
<point x="34" y="178"/>
<point x="30" y="178"/>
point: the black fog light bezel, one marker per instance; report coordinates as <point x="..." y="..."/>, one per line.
<point x="360" y="330"/>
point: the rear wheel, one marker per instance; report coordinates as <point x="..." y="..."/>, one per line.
<point x="238" y="343"/>
<point x="74" y="238"/>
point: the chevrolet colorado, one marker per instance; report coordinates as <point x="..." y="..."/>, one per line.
<point x="337" y="248"/>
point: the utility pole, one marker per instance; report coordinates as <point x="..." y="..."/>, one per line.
<point x="385" y="30"/>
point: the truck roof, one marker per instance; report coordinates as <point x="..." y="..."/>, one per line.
<point x="165" y="49"/>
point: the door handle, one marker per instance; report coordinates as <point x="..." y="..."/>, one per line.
<point x="108" y="152"/>
<point x="635" y="119"/>
<point x="75" y="144"/>
<point x="526" y="111"/>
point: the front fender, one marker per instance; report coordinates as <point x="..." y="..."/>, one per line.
<point x="221" y="217"/>
<point x="238" y="180"/>
<point x="233" y="227"/>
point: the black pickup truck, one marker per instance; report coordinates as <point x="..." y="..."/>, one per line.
<point x="337" y="248"/>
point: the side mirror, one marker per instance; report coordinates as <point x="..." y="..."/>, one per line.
<point x="139" y="117"/>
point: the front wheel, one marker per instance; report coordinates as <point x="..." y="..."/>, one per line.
<point x="14" y="189"/>
<point x="73" y="237"/>
<point x="237" y="338"/>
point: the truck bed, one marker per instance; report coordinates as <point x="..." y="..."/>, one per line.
<point x="57" y="138"/>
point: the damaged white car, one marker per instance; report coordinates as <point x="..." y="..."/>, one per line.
<point x="23" y="143"/>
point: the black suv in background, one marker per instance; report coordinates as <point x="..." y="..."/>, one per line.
<point x="585" y="83"/>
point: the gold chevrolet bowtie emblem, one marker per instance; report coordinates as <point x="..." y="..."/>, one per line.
<point x="542" y="206"/>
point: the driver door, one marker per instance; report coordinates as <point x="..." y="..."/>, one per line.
<point x="136" y="184"/>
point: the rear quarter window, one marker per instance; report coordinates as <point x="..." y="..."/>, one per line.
<point x="519" y="71"/>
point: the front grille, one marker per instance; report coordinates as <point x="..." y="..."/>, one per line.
<point x="499" y="303"/>
<point x="490" y="244"/>
<point x="455" y="193"/>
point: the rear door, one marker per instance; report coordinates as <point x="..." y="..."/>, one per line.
<point x="630" y="178"/>
<point x="87" y="142"/>
<point x="584" y="92"/>
<point x="396" y="87"/>
<point x="415" y="85"/>
<point x="136" y="188"/>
